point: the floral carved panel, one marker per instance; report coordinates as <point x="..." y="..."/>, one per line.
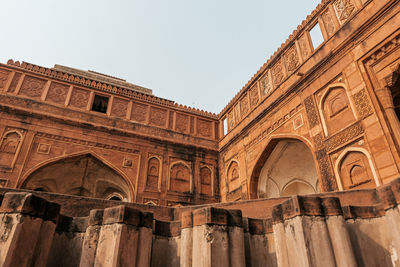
<point x="158" y="117"/>
<point x="244" y="105"/>
<point x="277" y="74"/>
<point x="328" y="23"/>
<point x="57" y="93"/>
<point x="32" y="87"/>
<point x="254" y="97"/>
<point x="139" y="112"/>
<point x="79" y="98"/>
<point x="265" y="84"/>
<point x="304" y="46"/>
<point x="292" y="59"/>
<point x="119" y="107"/>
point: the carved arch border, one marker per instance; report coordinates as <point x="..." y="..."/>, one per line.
<point x="212" y="177"/>
<point x="159" y="158"/>
<point x="322" y="100"/>
<point x="21" y="180"/>
<point x="190" y="171"/>
<point x="272" y="141"/>
<point x="344" y="154"/>
<point x="22" y="136"/>
<point x="227" y="172"/>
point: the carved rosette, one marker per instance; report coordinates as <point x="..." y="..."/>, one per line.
<point x="139" y="112"/>
<point x="57" y="93"/>
<point x="32" y="87"/>
<point x="344" y="9"/>
<point x="3" y="78"/>
<point x="119" y="107"/>
<point x="362" y="104"/>
<point x="79" y="98"/>
<point x="254" y="98"/>
<point x="244" y="105"/>
<point x="277" y="74"/>
<point x="182" y="123"/>
<point x="158" y="117"/>
<point x="328" y="22"/>
<point x="204" y="128"/>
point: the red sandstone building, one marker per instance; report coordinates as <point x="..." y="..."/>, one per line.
<point x="317" y="117"/>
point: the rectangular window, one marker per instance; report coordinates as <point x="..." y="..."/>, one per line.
<point x="225" y="126"/>
<point x="100" y="103"/>
<point x="316" y="36"/>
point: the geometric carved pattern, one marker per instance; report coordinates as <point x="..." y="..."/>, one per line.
<point x="182" y="123"/>
<point x="79" y="98"/>
<point x="32" y="87"/>
<point x="325" y="168"/>
<point x="158" y="117"/>
<point x="204" y="128"/>
<point x="344" y="8"/>
<point x="311" y="111"/>
<point x="119" y="107"/>
<point x="344" y="136"/>
<point x="57" y="93"/>
<point x="139" y="112"/>
<point x="363" y="106"/>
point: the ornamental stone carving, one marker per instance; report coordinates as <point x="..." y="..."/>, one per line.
<point x="3" y="78"/>
<point x="32" y="87"/>
<point x="304" y="47"/>
<point x="57" y="93"/>
<point x="254" y="98"/>
<point x="311" y="111"/>
<point x="158" y="117"/>
<point x="139" y="112"/>
<point x="182" y="123"/>
<point x="119" y="107"/>
<point x="277" y="74"/>
<point x="265" y="85"/>
<point x="362" y="104"/>
<point x="292" y="60"/>
<point x="244" y="106"/>
<point x="328" y="23"/>
<point x="344" y="9"/>
<point x="204" y="128"/>
<point x="79" y="98"/>
<point x="14" y="82"/>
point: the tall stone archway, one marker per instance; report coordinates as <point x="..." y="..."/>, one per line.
<point x="82" y="175"/>
<point x="285" y="168"/>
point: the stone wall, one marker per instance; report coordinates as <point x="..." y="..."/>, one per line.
<point x="313" y="230"/>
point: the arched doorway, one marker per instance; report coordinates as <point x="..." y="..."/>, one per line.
<point x="81" y="175"/>
<point x="285" y="168"/>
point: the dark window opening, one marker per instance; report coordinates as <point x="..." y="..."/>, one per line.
<point x="100" y="103"/>
<point x="40" y="189"/>
<point x="115" y="198"/>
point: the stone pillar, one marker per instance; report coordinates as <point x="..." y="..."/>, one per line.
<point x="385" y="98"/>
<point x="340" y="239"/>
<point x="120" y="241"/>
<point x="258" y="243"/>
<point x="307" y="237"/>
<point x="27" y="225"/>
<point x="145" y="240"/>
<point x="210" y="238"/>
<point x="282" y="256"/>
<point x="91" y="238"/>
<point x="236" y="239"/>
<point x="166" y="244"/>
<point x="186" y="239"/>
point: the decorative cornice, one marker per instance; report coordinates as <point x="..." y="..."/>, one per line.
<point x="82" y="81"/>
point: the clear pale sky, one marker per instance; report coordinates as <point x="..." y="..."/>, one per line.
<point x="198" y="53"/>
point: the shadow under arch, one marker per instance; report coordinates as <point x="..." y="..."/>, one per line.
<point x="272" y="142"/>
<point x="83" y="174"/>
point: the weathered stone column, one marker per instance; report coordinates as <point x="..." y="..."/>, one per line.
<point x="27" y="225"/>
<point x="120" y="242"/>
<point x="340" y="239"/>
<point x="236" y="239"/>
<point x="258" y="243"/>
<point x="282" y="256"/>
<point x="186" y="239"/>
<point x="307" y="237"/>
<point x="145" y="239"/>
<point x="166" y="244"/>
<point x="91" y="238"/>
<point x="210" y="238"/>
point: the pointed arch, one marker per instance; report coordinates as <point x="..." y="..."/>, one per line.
<point x="342" y="157"/>
<point x="10" y="147"/>
<point x="171" y="172"/>
<point x="154" y="170"/>
<point x="22" y="182"/>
